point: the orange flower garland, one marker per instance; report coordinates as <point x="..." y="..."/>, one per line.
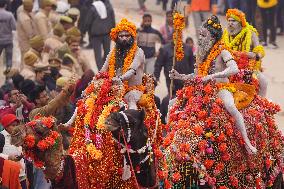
<point x="179" y="25"/>
<point x="48" y="142"/>
<point x="203" y="68"/>
<point x="127" y="61"/>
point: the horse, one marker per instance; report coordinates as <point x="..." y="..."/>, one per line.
<point x="131" y="135"/>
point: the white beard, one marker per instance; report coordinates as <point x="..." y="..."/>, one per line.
<point x="203" y="50"/>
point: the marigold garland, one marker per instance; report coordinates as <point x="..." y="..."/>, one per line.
<point x="123" y="25"/>
<point x="179" y="25"/>
<point x="46" y="143"/>
<point x="127" y="61"/>
<point x="204" y="67"/>
<point x="237" y="15"/>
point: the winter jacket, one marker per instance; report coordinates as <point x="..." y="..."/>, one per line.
<point x="147" y="39"/>
<point x="165" y="60"/>
<point x="97" y="26"/>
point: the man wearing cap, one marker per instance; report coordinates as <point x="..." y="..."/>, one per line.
<point x="38" y="48"/>
<point x="25" y="26"/>
<point x="41" y="71"/>
<point x="55" y="41"/>
<point x="11" y="152"/>
<point x="7" y="25"/>
<point x="66" y="22"/>
<point x="42" y="23"/>
<point x="74" y="13"/>
<point x="66" y="69"/>
<point x="126" y="61"/>
<point x="241" y="36"/>
<point x="30" y="59"/>
<point x="73" y="38"/>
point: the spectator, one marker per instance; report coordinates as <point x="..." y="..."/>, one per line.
<point x="8" y="24"/>
<point x="85" y="8"/>
<point x="268" y="10"/>
<point x="30" y="59"/>
<point x="17" y="104"/>
<point x="73" y="41"/>
<point x="189" y="41"/>
<point x="42" y="23"/>
<point x="55" y="41"/>
<point x="66" y="22"/>
<point x="26" y="87"/>
<point x="102" y="15"/>
<point x="201" y="10"/>
<point x="74" y="13"/>
<point x="251" y="11"/>
<point x="17" y="80"/>
<point x="11" y="152"/>
<point x="67" y="66"/>
<point x="165" y="60"/>
<point x="45" y="107"/>
<point x="167" y="30"/>
<point x="147" y="37"/>
<point x="37" y="44"/>
<point x="41" y="71"/>
<point x="25" y="26"/>
<point x="164" y="4"/>
<point x="10" y="170"/>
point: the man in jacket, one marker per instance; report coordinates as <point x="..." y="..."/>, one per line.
<point x="147" y="37"/>
<point x="165" y="60"/>
<point x="100" y="21"/>
<point x="7" y="25"/>
<point x="25" y="26"/>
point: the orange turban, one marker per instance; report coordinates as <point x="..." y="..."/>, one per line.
<point x="237" y="15"/>
<point x="124" y="25"/>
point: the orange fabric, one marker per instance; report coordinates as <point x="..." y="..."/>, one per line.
<point x="200" y="5"/>
<point x="10" y="175"/>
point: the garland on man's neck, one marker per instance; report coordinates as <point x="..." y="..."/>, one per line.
<point x="243" y="39"/>
<point x="127" y="61"/>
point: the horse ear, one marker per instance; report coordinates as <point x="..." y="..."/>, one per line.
<point x="142" y="114"/>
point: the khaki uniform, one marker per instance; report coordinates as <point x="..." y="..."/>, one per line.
<point x="81" y="64"/>
<point x="42" y="23"/>
<point x="53" y="18"/>
<point x="28" y="72"/>
<point x="25" y="30"/>
<point x="53" y="43"/>
<point x="68" y="72"/>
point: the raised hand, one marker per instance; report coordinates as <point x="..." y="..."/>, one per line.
<point x="175" y="75"/>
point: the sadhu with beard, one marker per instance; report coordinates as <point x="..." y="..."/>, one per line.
<point x="125" y="63"/>
<point x="215" y="62"/>
<point x="243" y="37"/>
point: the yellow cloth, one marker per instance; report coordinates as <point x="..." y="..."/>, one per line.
<point x="243" y="93"/>
<point x="267" y="3"/>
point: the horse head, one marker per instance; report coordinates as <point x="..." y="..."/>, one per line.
<point x="129" y="130"/>
<point x="42" y="144"/>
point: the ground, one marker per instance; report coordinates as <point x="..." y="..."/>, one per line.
<point x="273" y="62"/>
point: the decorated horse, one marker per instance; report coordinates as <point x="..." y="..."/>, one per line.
<point x="216" y="123"/>
<point x="113" y="148"/>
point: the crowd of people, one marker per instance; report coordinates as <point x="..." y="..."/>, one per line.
<point x="54" y="71"/>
